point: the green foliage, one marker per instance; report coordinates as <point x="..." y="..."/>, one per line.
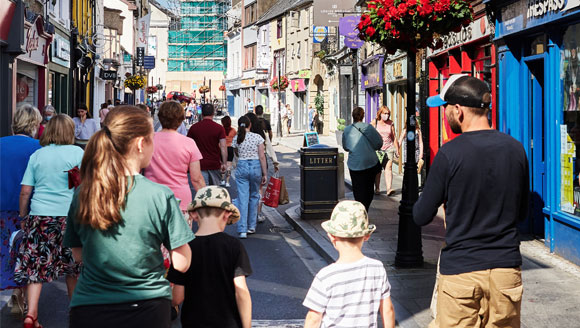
<point x="341" y="124"/>
<point x="319" y="103"/>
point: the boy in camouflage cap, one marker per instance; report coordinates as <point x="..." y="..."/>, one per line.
<point x="216" y="278"/>
<point x="353" y="290"/>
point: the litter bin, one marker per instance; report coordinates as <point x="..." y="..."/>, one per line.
<point x="318" y="181"/>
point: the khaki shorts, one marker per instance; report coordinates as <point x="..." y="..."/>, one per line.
<point x="486" y="298"/>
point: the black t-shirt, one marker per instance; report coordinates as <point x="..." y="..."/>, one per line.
<point x="265" y="124"/>
<point x="483" y="178"/>
<point x="210" y="298"/>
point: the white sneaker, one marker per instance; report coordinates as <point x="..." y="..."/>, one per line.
<point x="223" y="183"/>
<point x="228" y="185"/>
<point x="261" y="218"/>
<point x="243" y="235"/>
<point x="251" y="231"/>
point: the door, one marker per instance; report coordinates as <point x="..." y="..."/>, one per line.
<point x="537" y="146"/>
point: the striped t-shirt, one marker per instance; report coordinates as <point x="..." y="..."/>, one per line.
<point x="349" y="294"/>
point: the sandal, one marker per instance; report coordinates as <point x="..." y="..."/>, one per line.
<point x="34" y="323"/>
<point x="377" y="192"/>
<point x="390" y="192"/>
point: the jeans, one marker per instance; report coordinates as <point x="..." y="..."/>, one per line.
<point x="248" y="179"/>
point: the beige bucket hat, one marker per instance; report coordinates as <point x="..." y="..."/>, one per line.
<point x="349" y="220"/>
<point x="214" y="196"/>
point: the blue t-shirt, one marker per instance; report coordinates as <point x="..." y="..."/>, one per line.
<point x="47" y="173"/>
<point x="14" y="154"/>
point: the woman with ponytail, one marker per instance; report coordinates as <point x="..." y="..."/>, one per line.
<point x="251" y="174"/>
<point x="116" y="223"/>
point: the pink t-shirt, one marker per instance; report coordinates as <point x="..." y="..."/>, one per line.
<point x="172" y="155"/>
<point x="385" y="129"/>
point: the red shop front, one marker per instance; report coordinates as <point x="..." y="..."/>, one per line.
<point x="30" y="73"/>
<point x="469" y="51"/>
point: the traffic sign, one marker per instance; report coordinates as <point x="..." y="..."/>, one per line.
<point x="149" y="62"/>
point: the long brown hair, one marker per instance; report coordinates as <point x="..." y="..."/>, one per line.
<point x="380" y="111"/>
<point x="104" y="168"/>
<point x="243" y="123"/>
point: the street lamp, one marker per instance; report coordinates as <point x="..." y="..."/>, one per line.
<point x="279" y="100"/>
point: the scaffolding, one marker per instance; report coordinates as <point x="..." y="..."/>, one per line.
<point x="196" y="42"/>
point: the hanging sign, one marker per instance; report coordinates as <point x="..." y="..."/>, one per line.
<point x="143" y="31"/>
<point x="149" y="62"/>
<point x="108" y="75"/>
<point x="319" y="33"/>
<point x="140" y="59"/>
<point x="347" y="28"/>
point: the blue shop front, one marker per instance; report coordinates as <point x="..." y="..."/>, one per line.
<point x="539" y="104"/>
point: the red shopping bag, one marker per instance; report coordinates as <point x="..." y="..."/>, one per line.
<point x="272" y="194"/>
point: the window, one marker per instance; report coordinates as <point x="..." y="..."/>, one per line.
<point x="251" y="13"/>
<point x="250" y="57"/>
<point x="298" y="49"/>
<point x="279" y="29"/>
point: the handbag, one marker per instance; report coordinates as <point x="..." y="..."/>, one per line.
<point x="284" y="197"/>
<point x="74" y="177"/>
<point x="382" y="156"/>
<point x="272" y="194"/>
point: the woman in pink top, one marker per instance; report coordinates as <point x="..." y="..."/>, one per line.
<point x="174" y="156"/>
<point x="386" y="129"/>
<point x="230" y="134"/>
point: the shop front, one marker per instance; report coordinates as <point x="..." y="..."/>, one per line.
<point x="372" y="83"/>
<point x="299" y="104"/>
<point x="539" y="105"/>
<point x="233" y="95"/>
<point x="262" y="89"/>
<point x="396" y="93"/>
<point x="31" y="68"/>
<point x="248" y="91"/>
<point x="58" y="76"/>
<point x="468" y="51"/>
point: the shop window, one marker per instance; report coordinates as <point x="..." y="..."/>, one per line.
<point x="537" y="46"/>
<point x="279" y="28"/>
<point x="570" y="129"/>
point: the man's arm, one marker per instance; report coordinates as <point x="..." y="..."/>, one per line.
<point x="224" y="151"/>
<point x="434" y="192"/>
<point x="244" y="301"/>
<point x="313" y="319"/>
<point x="195" y="176"/>
<point x="387" y="313"/>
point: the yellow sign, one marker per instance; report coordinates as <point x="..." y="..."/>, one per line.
<point x="304" y="74"/>
<point x="397" y="69"/>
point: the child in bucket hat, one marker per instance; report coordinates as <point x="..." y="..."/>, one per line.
<point x="353" y="290"/>
<point x="216" y="278"/>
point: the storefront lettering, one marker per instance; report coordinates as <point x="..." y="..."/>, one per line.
<point x="455" y="39"/>
<point x="32" y="40"/>
<point x="320" y="160"/>
<point x="539" y="8"/>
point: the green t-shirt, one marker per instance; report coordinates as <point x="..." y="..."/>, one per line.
<point x="125" y="263"/>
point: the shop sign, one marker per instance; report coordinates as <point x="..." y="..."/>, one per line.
<point x="328" y="12"/>
<point x="347" y="28"/>
<point x="233" y="84"/>
<point x="127" y="58"/>
<point x="22" y="89"/>
<point x="372" y="72"/>
<point x="36" y="43"/>
<point x="319" y="33"/>
<point x="524" y="14"/>
<point x="140" y="58"/>
<point x="474" y="31"/>
<point x="248" y="83"/>
<point x="298" y="85"/>
<point x="61" y="51"/>
<point x="396" y="70"/>
<point x="6" y="15"/>
<point x="149" y="62"/>
<point x="108" y="75"/>
<point x="304" y="74"/>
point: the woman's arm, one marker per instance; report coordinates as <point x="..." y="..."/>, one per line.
<point x="25" y="192"/>
<point x="420" y="144"/>
<point x="178" y="294"/>
<point x="244" y="301"/>
<point x="77" y="253"/>
<point x="195" y="176"/>
<point x="262" y="156"/>
<point x="181" y="258"/>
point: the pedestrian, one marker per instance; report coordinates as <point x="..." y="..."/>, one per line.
<point x="390" y="149"/>
<point x="116" y="222"/>
<point x="284" y="115"/>
<point x="418" y="146"/>
<point x="482" y="177"/>
<point x="210" y="138"/>
<point x="260" y="126"/>
<point x="103" y="112"/>
<point x="251" y="174"/>
<point x="85" y="126"/>
<point x="352" y="291"/>
<point x="189" y="113"/>
<point x="250" y="106"/>
<point x="311" y="117"/>
<point x="41" y="256"/>
<point x="14" y="155"/>
<point x="230" y="134"/>
<point x="361" y="141"/>
<point x="175" y="155"/>
<point x="48" y="113"/>
<point x="290" y="116"/>
<point x="220" y="264"/>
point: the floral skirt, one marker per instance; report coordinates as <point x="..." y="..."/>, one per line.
<point x="41" y="256"/>
<point x="9" y="223"/>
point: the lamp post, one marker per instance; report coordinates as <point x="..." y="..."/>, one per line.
<point x="279" y="101"/>
<point x="409" y="244"/>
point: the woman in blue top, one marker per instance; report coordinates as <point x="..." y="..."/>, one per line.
<point x="41" y="256"/>
<point x="361" y="141"/>
<point x="116" y="223"/>
<point x="85" y="126"/>
<point x="16" y="151"/>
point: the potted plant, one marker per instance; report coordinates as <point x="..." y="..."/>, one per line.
<point x="151" y="89"/>
<point x="340" y="130"/>
<point x="319" y="105"/>
<point x="222" y="88"/>
<point x="283" y="83"/>
<point x="203" y="89"/>
<point x="159" y="87"/>
<point x="135" y="82"/>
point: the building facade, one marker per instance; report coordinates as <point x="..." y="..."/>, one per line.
<point x="233" y="80"/>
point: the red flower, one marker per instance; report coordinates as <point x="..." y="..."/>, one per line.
<point x="381" y="12"/>
<point x="370" y="31"/>
<point x="439" y="7"/>
<point x="360" y="26"/>
<point x="389" y="3"/>
<point x="366" y="19"/>
<point x="394" y="12"/>
<point x="372" y="5"/>
<point x="425" y="8"/>
<point x="388" y="25"/>
<point x="402" y="8"/>
<point x="411" y="12"/>
<point x="413" y="2"/>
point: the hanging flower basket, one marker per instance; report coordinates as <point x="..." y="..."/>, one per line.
<point x="283" y="83"/>
<point x="203" y="89"/>
<point x="410" y="25"/>
<point x="159" y="87"/>
<point x="222" y="87"/>
<point x="135" y="82"/>
<point x="151" y="89"/>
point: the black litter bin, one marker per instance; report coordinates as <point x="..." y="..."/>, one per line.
<point x="318" y="181"/>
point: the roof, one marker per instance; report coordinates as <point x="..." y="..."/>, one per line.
<point x="299" y="3"/>
<point x="278" y="9"/>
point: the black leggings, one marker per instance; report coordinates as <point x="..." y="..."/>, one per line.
<point x="363" y="184"/>
<point x="153" y="313"/>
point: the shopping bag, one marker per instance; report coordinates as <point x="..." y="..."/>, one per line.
<point x="284" y="198"/>
<point x="272" y="194"/>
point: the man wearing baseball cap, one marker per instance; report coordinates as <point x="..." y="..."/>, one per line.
<point x="482" y="178"/>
